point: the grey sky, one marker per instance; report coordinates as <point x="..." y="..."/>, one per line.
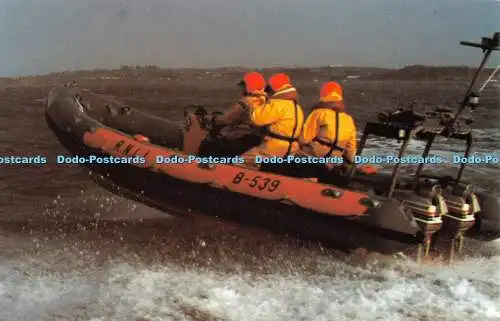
<point x="39" y="36"/>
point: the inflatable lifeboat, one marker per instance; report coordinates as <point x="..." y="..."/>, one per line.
<point x="380" y="212"/>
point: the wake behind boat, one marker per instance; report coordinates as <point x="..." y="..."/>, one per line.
<point x="388" y="213"/>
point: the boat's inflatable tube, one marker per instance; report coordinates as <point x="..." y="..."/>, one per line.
<point x="93" y="125"/>
<point x="69" y="110"/>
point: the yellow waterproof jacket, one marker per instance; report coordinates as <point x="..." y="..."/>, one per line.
<point x="329" y="132"/>
<point x="283" y="117"/>
<point x="239" y="113"/>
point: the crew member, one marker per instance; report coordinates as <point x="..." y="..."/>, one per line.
<point x="237" y="133"/>
<point x="329" y="131"/>
<point x="253" y="87"/>
<point x="282" y="117"/>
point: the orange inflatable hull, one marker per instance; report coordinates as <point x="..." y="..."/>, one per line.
<point x="268" y="186"/>
<point x="89" y="124"/>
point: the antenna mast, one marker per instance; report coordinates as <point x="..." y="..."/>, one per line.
<point x="490" y="78"/>
<point x="488" y="45"/>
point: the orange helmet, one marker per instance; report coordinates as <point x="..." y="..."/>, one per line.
<point x="279" y="81"/>
<point x="331" y="92"/>
<point x="253" y="82"/>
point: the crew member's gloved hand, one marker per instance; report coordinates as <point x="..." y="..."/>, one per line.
<point x="215" y="127"/>
<point x="214" y="121"/>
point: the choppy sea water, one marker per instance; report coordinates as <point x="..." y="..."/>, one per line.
<point x="336" y="291"/>
<point x="85" y="254"/>
<point x="64" y="277"/>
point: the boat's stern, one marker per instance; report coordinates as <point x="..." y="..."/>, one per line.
<point x="428" y="208"/>
<point x="463" y="205"/>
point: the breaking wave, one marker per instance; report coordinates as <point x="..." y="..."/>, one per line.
<point x="337" y="290"/>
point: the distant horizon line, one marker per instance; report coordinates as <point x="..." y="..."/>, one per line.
<point x="157" y="67"/>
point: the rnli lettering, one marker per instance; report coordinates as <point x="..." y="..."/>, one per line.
<point x="129" y="150"/>
<point x="137" y="153"/>
<point x="259" y="182"/>
<point x="118" y="145"/>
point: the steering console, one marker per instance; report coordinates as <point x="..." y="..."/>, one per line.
<point x="205" y="119"/>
